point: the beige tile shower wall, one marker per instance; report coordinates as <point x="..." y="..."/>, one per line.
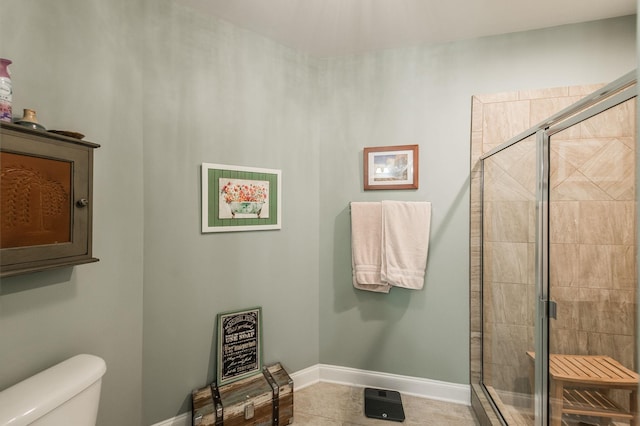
<point x="593" y="267"/>
<point x="592" y="235"/>
<point x="509" y="234"/>
<point x="497" y="118"/>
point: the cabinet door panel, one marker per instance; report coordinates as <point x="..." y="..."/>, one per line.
<point x="45" y="200"/>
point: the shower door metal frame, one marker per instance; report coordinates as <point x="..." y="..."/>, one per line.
<point x="547" y="305"/>
<point x="541" y="327"/>
<point x="615" y="93"/>
<point x="542" y="313"/>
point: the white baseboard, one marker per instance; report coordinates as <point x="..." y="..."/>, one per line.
<point x="183" y="419"/>
<point x="307" y="377"/>
<point x="416" y="386"/>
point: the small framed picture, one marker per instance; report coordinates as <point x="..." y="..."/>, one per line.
<point x="239" y="345"/>
<point x="391" y="167"/>
<point x="236" y="198"/>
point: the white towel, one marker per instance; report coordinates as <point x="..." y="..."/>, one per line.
<point x="405" y="243"/>
<point x="366" y="238"/>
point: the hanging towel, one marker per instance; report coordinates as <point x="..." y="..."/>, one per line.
<point x="405" y="243"/>
<point x="366" y="239"/>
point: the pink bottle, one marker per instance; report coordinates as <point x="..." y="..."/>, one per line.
<point x="6" y="91"/>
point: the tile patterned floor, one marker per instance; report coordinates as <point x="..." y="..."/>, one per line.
<point x="328" y="404"/>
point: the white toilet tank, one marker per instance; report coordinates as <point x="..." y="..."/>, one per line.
<point x="63" y="395"/>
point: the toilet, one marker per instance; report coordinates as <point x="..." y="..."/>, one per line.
<point x="65" y="394"/>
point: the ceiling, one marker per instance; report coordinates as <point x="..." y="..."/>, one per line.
<point x="340" y="27"/>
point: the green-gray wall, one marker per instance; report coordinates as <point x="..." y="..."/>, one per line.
<point x="77" y="64"/>
<point x="218" y="94"/>
<point x="423" y="96"/>
<point x="163" y="89"/>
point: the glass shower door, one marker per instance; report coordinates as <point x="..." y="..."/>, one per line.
<point x="508" y="280"/>
<point x="592" y="268"/>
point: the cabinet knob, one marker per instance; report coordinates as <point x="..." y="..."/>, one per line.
<point x="82" y="202"/>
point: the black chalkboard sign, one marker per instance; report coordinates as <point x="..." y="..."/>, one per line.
<point x="239" y="345"/>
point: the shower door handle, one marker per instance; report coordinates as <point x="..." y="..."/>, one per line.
<point x="551" y="309"/>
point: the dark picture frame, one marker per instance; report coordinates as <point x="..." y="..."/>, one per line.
<point x="391" y="167"/>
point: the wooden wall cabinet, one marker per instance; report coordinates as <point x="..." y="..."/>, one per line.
<point x="46" y="200"/>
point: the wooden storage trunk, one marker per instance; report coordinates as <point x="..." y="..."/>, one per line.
<point x="262" y="400"/>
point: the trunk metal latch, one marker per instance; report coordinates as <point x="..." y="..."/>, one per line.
<point x="249" y="411"/>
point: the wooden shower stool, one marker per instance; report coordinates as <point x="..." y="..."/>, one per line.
<point x="580" y="385"/>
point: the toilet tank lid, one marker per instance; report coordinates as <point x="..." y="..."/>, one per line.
<point x="35" y="396"/>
